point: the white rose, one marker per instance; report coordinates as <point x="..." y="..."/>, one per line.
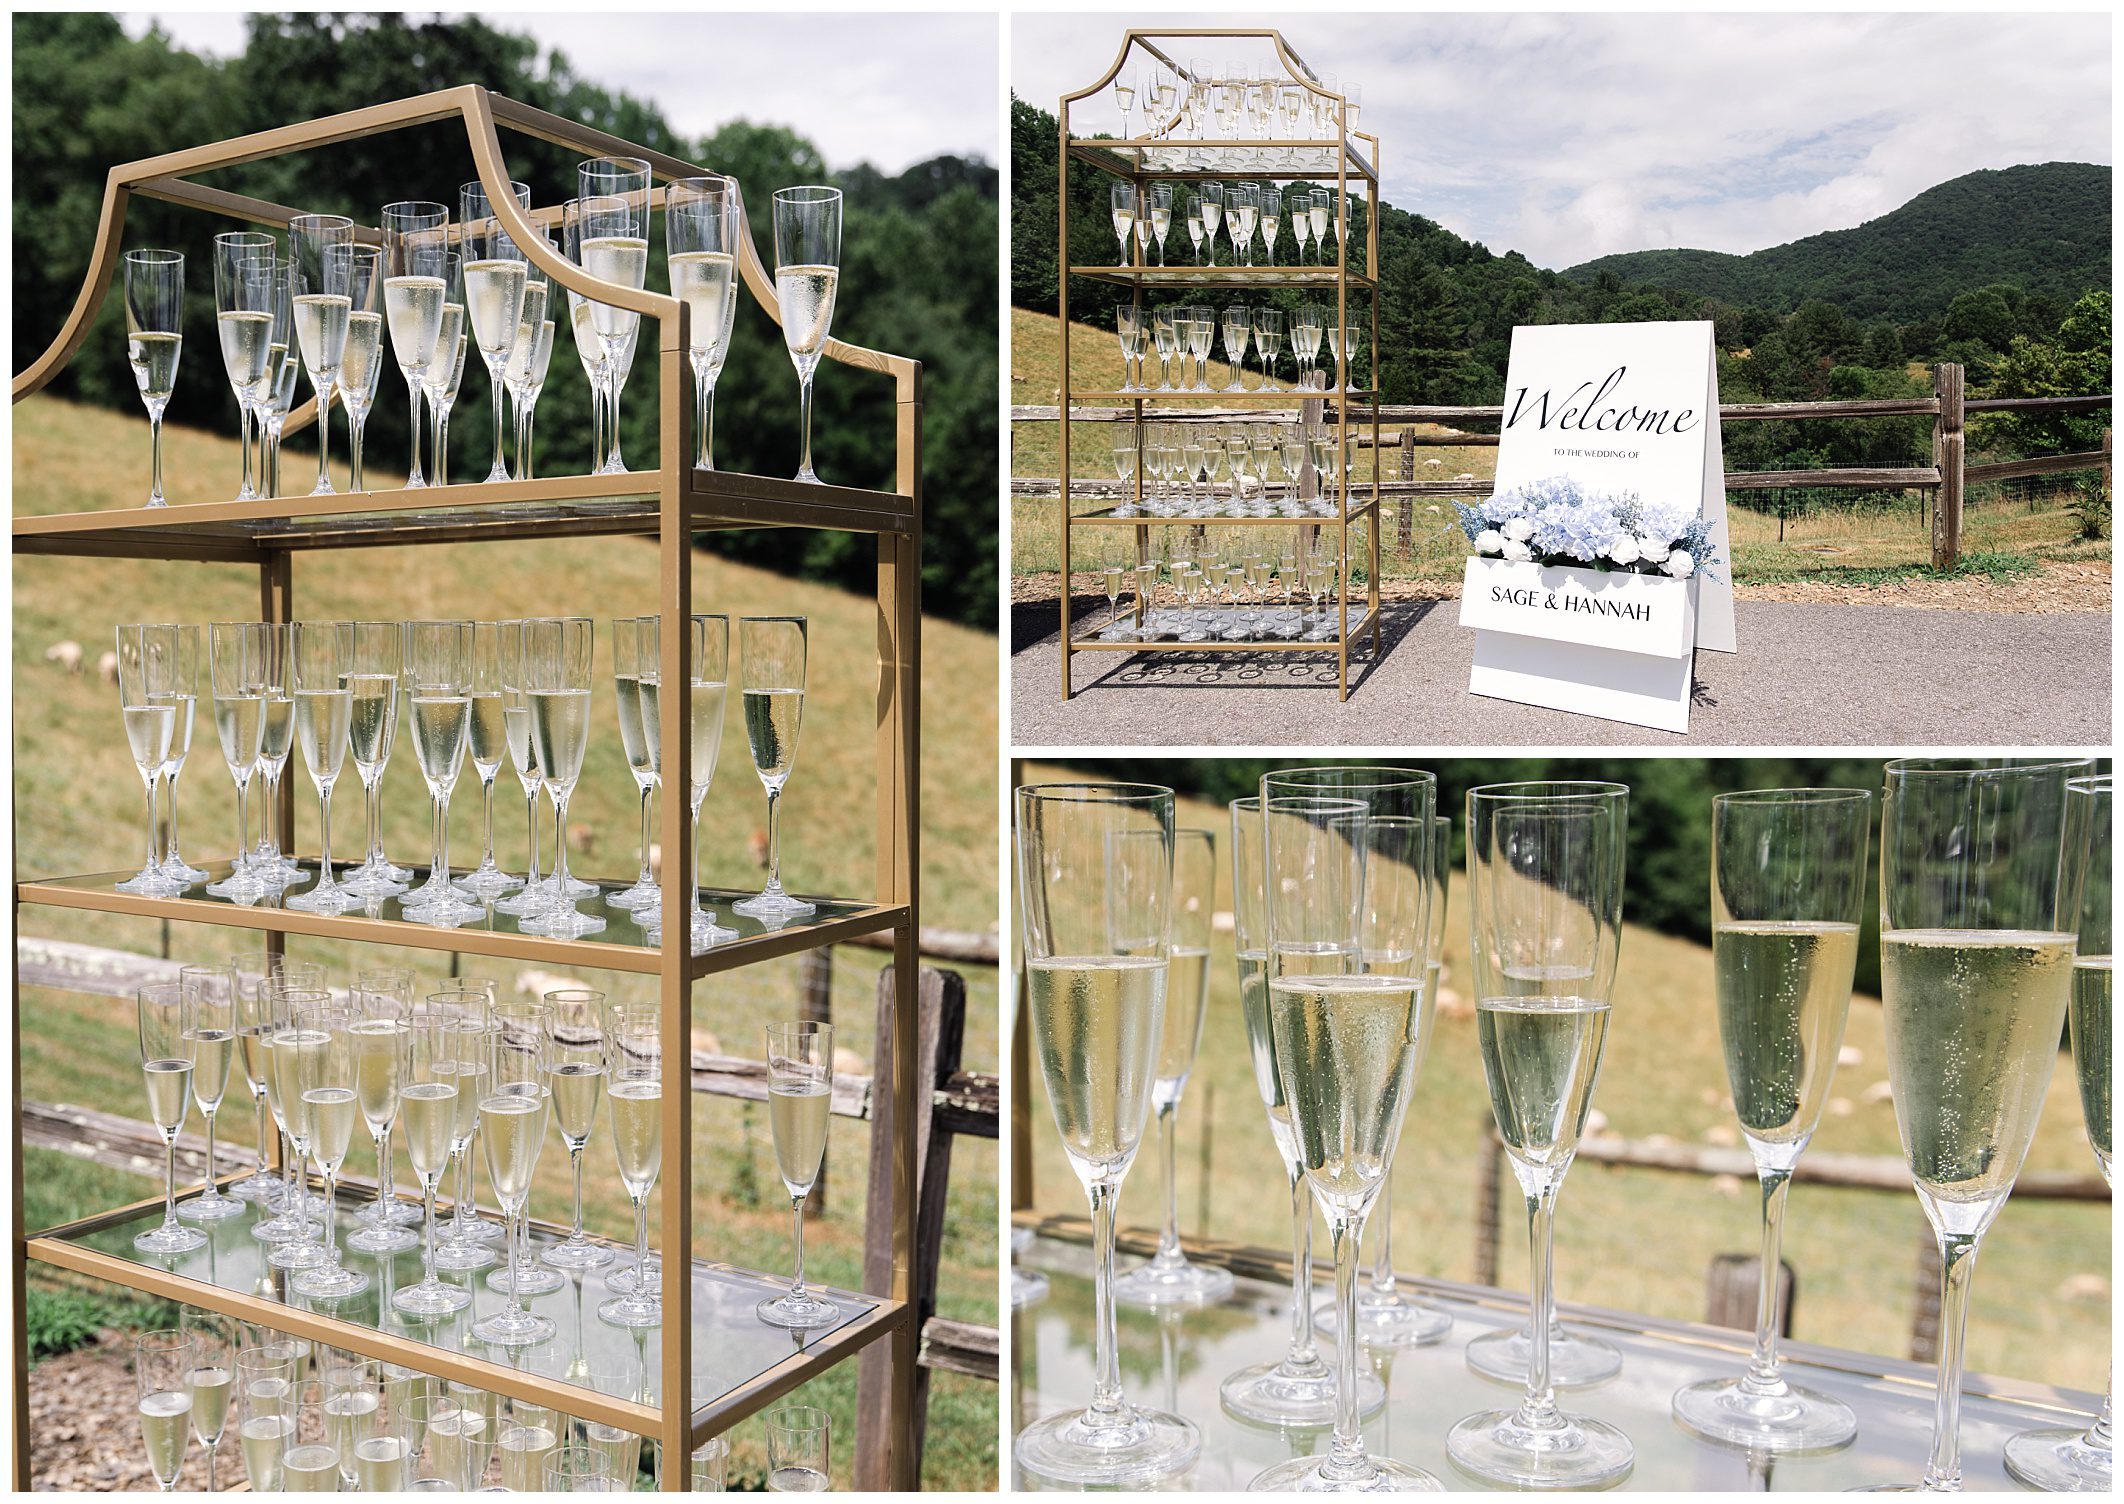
<point x="1623" y="550"/>
<point x="1519" y="529"/>
<point x="1517" y="551"/>
<point x="1653" y="550"/>
<point x="1489" y="541"/>
<point x="1679" y="564"/>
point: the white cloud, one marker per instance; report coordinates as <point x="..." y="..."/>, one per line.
<point x="1573" y="136"/>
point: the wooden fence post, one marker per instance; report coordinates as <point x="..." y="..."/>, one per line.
<point x="1947" y="457"/>
<point x="1405" y="534"/>
<point x="815" y="1005"/>
<point x="1486" y="1213"/>
<point x="1733" y="1288"/>
<point x="1925" y="1318"/>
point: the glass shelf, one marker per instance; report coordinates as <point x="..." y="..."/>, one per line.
<point x="1168" y="639"/>
<point x="586" y="1363"/>
<point x="1222" y="159"/>
<point x="620" y="946"/>
<point x="1108" y="517"/>
<point x="1361" y="399"/>
<point x="1151" y="278"/>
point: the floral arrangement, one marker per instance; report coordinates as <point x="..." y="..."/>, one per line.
<point x="1558" y="522"/>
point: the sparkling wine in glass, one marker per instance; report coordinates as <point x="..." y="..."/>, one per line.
<point x="283" y="370"/>
<point x="265" y="1411"/>
<point x="323" y="305"/>
<point x="446" y="372"/>
<point x="708" y="664"/>
<point x="154" y="340"/>
<point x="487" y="744"/>
<point x="703" y="218"/>
<point x="210" y="1038"/>
<point x="557" y="669"/>
<point x="529" y="360"/>
<point x="236" y="667"/>
<point x="537" y="895"/>
<point x="323" y="660"/>
<point x="495" y="272"/>
<point x="578" y="1058"/>
<point x="774" y="651"/>
<point x="243" y="322"/>
<point x="799" y="1106"/>
<point x="162" y="1367"/>
<point x="381" y="1003"/>
<point x="463" y="1245"/>
<point x="614" y="247"/>
<point x="166" y="1064"/>
<point x="430" y="1082"/>
<point x="1788" y="891"/>
<point x="179" y="680"/>
<point x="372" y="731"/>
<point x="437" y="684"/>
<point x="807" y="278"/>
<point x="635" y="1095"/>
<point x="634" y="661"/>
<point x="361" y="363"/>
<point x="512" y="1116"/>
<point x="323" y="1069"/>
<point x="416" y="244"/>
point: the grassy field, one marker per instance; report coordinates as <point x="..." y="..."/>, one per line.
<point x="1840" y="542"/>
<point x="1638" y="1239"/>
<point x="77" y="809"/>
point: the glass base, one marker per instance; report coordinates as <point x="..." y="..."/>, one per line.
<point x="263" y="1187"/>
<point x="641" y="895"/>
<point x="2059" y="1460"/>
<point x="1028" y="1287"/>
<point x="464" y="1257"/>
<point x="1143" y="1447"/>
<point x="535" y="899"/>
<point x="376" y="881"/>
<point x="574" y="1255"/>
<point x="1279" y="1394"/>
<point x="170" y="1238"/>
<point x="773" y="904"/>
<point x="330" y="1282"/>
<point x="628" y="1281"/>
<point x="390" y="1211"/>
<point x="1318" y="1475"/>
<point x="563" y="921"/>
<point x="632" y="1310"/>
<point x="243" y="883"/>
<point x="705" y="933"/>
<point x="211" y="1206"/>
<point x="298" y="1255"/>
<point x="513" y="1328"/>
<point x="1173" y="1282"/>
<point x="149" y="883"/>
<point x="286" y="1229"/>
<point x="431" y="1298"/>
<point x="1388" y="1320"/>
<point x="799" y="1313"/>
<point x="1796" y="1420"/>
<point x="383" y="1239"/>
<point x="1578" y="1453"/>
<point x="470" y="1227"/>
<point x="1574" y="1360"/>
<point x="530" y="1279"/>
<point x="182" y="872"/>
<point x="325" y="897"/>
<point x="488" y="881"/>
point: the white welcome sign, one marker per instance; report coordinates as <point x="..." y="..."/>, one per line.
<point x="1617" y="408"/>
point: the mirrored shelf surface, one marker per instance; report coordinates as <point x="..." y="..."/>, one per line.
<point x="1151" y="278"/>
<point x="1240" y="159"/>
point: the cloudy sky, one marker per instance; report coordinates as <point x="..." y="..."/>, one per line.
<point x="1567" y="137"/>
<point x="866" y="90"/>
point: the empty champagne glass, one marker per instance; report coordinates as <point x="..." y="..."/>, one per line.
<point x="236" y="670"/>
<point x="431" y="1082"/>
<point x="265" y="1411"/>
<point x="1095" y="891"/>
<point x="799" y="1449"/>
<point x="154" y="340"/>
<point x="1170" y="1278"/>
<point x="631" y="667"/>
<point x="323" y="304"/>
<point x="774" y="653"/>
<point x="1788" y="890"/>
<point x="1980" y="899"/>
<point x="166" y="1061"/>
<point x="322" y="660"/>
<point x="324" y="1065"/>
<point x="636" y="1095"/>
<point x="799" y="1107"/>
<point x="381" y="1004"/>
<point x="513" y="1122"/>
<point x="372" y="731"/>
<point x="361" y="364"/>
<point x="577" y="1060"/>
<point x="446" y="372"/>
<point x="1545" y="879"/>
<point x="210" y="1039"/>
<point x="557" y="668"/>
<point x="807" y="278"/>
<point x="2069" y="1459"/>
<point x="496" y="272"/>
<point x="162" y="1367"/>
<point x="487" y="743"/>
<point x="416" y="241"/>
<point x="243" y="320"/>
<point x="438" y="689"/>
<point x="703" y="218"/>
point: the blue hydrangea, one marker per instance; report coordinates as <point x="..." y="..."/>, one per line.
<point x="1575" y="526"/>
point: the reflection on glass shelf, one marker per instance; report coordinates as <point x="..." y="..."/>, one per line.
<point x="1240" y="158"/>
<point x="731" y="1345"/>
<point x="1184" y="275"/>
<point x="1176" y="1360"/>
<point x="621" y="929"/>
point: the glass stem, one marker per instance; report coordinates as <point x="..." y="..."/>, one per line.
<point x="1302" y="1354"/>
<point x="152" y="858"/>
<point x="560" y="846"/>
<point x="1762" y="1377"/>
<point x="804" y="422"/>
<point x="290" y="1169"/>
<point x="169" y="1179"/>
<point x="516" y="1300"/>
<point x="708" y="425"/>
<point x="324" y="835"/>
<point x="575" y="1160"/>
<point x="441" y="875"/>
<point x="486" y="798"/>
<point x="700" y="416"/>
<point x="427" y="1256"/>
<point x="648" y="790"/>
<point x="384" y="1187"/>
<point x="530" y="441"/>
<point x="331" y="1231"/>
<point x="413" y="381"/>
<point x="617" y="464"/>
<point x="155" y="498"/>
<point x="1168" y="1148"/>
<point x="243" y="828"/>
<point x="1538" y="1409"/>
<point x="1943" y="1472"/>
<point x="531" y="819"/>
<point x="501" y="470"/>
<point x="169" y="812"/>
<point x="643" y="1290"/>
<point x="1346" y="1451"/>
<point x="354" y="425"/>
<point x="324" y="433"/>
<point x="796" y="1213"/>
<point x="209" y="1188"/>
<point x="258" y="1109"/>
<point x="373" y="817"/>
<point x="1383" y="1265"/>
<point x="697" y="911"/>
<point x="250" y="487"/>
<point x="1108" y="1408"/>
<point x="461" y="1201"/>
<point x="597" y="423"/>
<point x="774" y="840"/>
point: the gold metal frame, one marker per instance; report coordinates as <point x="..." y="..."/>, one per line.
<point x="670" y="503"/>
<point x="1126" y="160"/>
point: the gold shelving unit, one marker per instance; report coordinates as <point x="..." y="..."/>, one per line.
<point x="1352" y="157"/>
<point x="709" y="1330"/>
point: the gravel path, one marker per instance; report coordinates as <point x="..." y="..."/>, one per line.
<point x="1807" y="675"/>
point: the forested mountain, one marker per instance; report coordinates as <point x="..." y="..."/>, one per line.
<point x="2043" y="229"/>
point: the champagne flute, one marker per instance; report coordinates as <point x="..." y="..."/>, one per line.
<point x="382" y="1001"/>
<point x="154" y="340"/>
<point x="438" y="688"/>
<point x="799" y="1106"/>
<point x="1126" y="207"/>
<point x="353" y="1393"/>
<point x="318" y="284"/>
<point x="292" y="1221"/>
<point x="372" y="729"/>
<point x="312" y="1466"/>
<point x="557" y="652"/>
<point x="1169" y="1277"/>
<point x="210" y="1038"/>
<point x="2066" y="1459"/>
<point x="1545" y="877"/>
<point x="487" y="743"/>
<point x="1095" y="889"/>
<point x="416" y="241"/>
<point x="166" y="1062"/>
<point x="361" y="364"/>
<point x="265" y="1411"/>
<point x="179" y="687"/>
<point x="1980" y="894"/>
<point x="236" y="651"/>
<point x="1125" y="98"/>
<point x="535" y="896"/>
<point x="253" y="1032"/>
<point x="513" y="1116"/>
<point x="462" y="1246"/>
<point x="1319" y="202"/>
<point x="210" y="1379"/>
<point x="1161" y="215"/>
<point x="273" y="866"/>
<point x="1271" y="217"/>
<point x="295" y="1038"/>
<point x="331" y="1102"/>
<point x="636" y="1096"/>
<point x="1788" y="889"/>
<point x="577" y="1060"/>
<point x="710" y="1466"/>
<point x="529" y="360"/>
<point x="807" y="276"/>
<point x="631" y="667"/>
<point x="162" y="1367"/>
<point x="614" y="248"/>
<point x="495" y="271"/>
<point x="577" y="215"/>
<point x="1128" y="329"/>
<point x="243" y="320"/>
<point x="446" y="372"/>
<point x="429" y="1099"/>
<point x="1194" y="225"/>
<point x="703" y="218"/>
<point x="322" y="661"/>
<point x="708" y="664"/>
<point x="774" y="653"/>
<point x="1238" y="328"/>
<point x="799" y="1449"/>
<point x="1268" y="339"/>
<point x="1212" y="201"/>
<point x="580" y="1470"/>
<point x="283" y="368"/>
